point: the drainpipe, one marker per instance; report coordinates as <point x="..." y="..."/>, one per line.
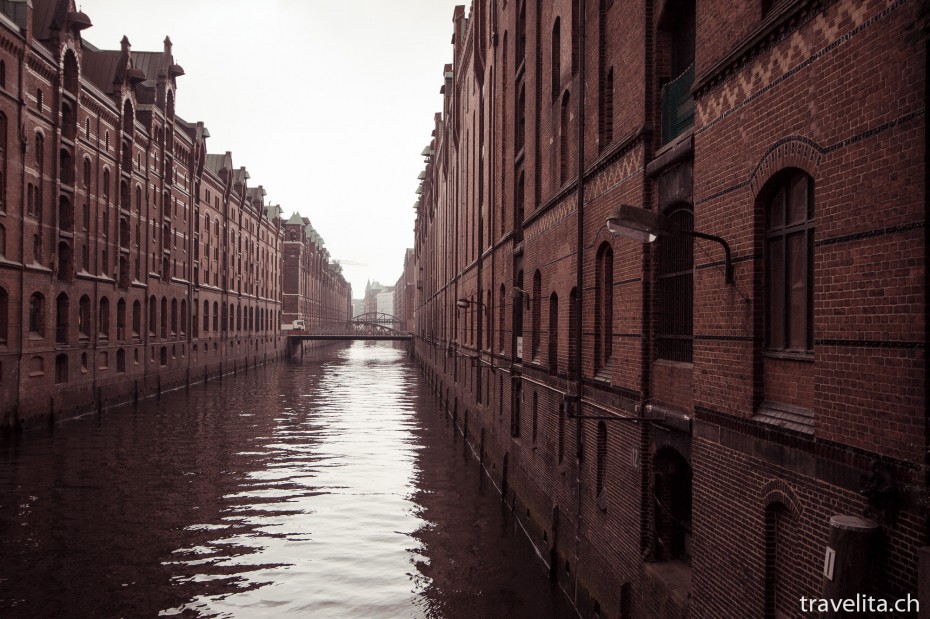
<point x="579" y="276"/>
<point x="23" y="328"/>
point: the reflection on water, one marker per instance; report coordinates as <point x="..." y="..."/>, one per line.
<point x="332" y="488"/>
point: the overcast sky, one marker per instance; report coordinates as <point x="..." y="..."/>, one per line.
<point x="327" y="103"/>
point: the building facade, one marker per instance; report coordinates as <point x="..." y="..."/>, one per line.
<point x="130" y="258"/>
<point x="722" y="409"/>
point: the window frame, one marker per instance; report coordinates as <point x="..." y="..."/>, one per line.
<point x="782" y="185"/>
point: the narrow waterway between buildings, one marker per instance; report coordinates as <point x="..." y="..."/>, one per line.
<point x="335" y="487"/>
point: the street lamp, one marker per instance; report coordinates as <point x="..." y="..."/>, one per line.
<point x="645" y="226"/>
<point x="464" y="303"/>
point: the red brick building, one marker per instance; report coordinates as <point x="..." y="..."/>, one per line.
<point x="130" y="258"/>
<point x="680" y="442"/>
<point x="314" y="288"/>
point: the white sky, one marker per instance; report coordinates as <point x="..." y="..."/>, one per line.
<point x="327" y="103"/>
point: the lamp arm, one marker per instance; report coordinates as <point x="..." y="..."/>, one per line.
<point x="726" y="249"/>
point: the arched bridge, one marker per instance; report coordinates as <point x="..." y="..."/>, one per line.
<point x="370" y="326"/>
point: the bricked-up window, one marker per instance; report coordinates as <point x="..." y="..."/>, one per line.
<point x="37" y="314"/>
<point x="675" y="290"/>
<point x="789" y="251"/>
<point x="556" y="60"/>
<point x="672" y="506"/>
<point x="537" y="314"/>
<point x="603" y="306"/>
<point x="553" y="333"/>
<point x="780" y="561"/>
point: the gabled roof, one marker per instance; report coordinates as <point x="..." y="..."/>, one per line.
<point x="295" y="219"/>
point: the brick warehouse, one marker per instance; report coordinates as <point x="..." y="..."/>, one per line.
<point x="676" y="441"/>
<point x="130" y="258"/>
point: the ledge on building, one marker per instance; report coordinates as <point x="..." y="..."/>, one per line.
<point x="786" y="416"/>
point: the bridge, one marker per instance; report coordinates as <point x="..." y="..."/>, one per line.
<point x="370" y="326"/>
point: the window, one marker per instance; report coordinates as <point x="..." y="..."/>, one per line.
<point x="672" y="513"/>
<point x="121" y="319"/>
<point x="556" y="60"/>
<point x="603" y="307"/>
<point x="120" y="361"/>
<point x="83" y="316"/>
<point x="103" y="320"/>
<point x="675" y="294"/>
<point x="789" y="250"/>
<point x="4" y="315"/>
<point x="62" y="308"/>
<point x="537" y="313"/>
<point x="565" y="117"/>
<point x="61" y="369"/>
<point x="501" y="317"/>
<point x="606" y="113"/>
<point x="676" y="38"/>
<point x="601" y="457"/>
<point x="164" y="317"/>
<point x="206" y="317"/>
<point x="572" y="329"/>
<point x="576" y="41"/>
<point x="37" y="314"/>
<point x="153" y="317"/>
<point x="136" y="318"/>
<point x="553" y="333"/>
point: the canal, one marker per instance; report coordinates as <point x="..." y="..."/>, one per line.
<point x="334" y="487"/>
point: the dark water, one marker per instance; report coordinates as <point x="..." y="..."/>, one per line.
<point x="332" y="488"/>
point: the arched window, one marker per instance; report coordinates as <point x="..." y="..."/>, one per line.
<point x="83" y="317"/>
<point x="520" y="128"/>
<point x="789" y="269"/>
<point x="174" y="316"/>
<point x="121" y="319"/>
<point x="103" y="319"/>
<point x="675" y="294"/>
<point x="183" y="317"/>
<point x="136" y="318"/>
<point x="206" y="317"/>
<point x="216" y="317"/>
<point x="576" y="42"/>
<point x="164" y="316"/>
<point x="62" y="309"/>
<point x="781" y="559"/>
<point x="153" y="315"/>
<point x="37" y="314"/>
